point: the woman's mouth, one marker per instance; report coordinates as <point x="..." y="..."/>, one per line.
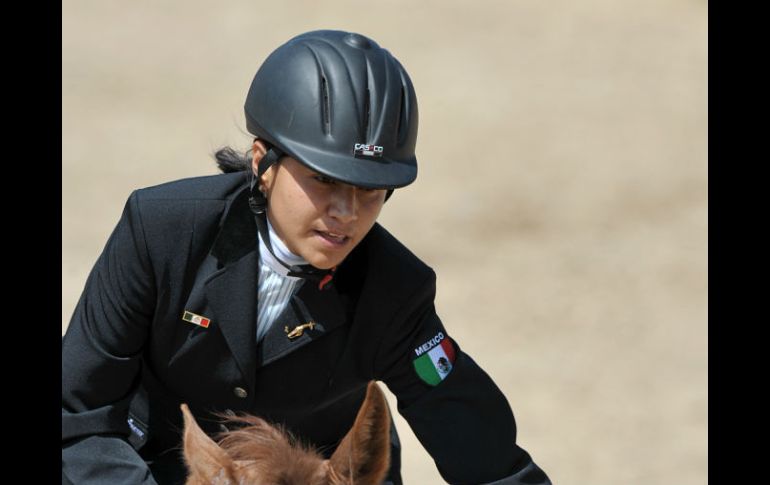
<point x="333" y="238"/>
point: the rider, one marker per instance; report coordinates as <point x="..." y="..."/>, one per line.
<point x="271" y="290"/>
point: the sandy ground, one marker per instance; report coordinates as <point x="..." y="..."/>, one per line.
<point x="561" y="197"/>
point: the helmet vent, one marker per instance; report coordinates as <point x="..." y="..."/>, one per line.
<point x="400" y="128"/>
<point x="367" y="116"/>
<point x="325" y="107"/>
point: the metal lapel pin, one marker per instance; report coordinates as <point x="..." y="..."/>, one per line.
<point x="298" y="330"/>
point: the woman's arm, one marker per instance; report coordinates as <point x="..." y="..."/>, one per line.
<point x="454" y="408"/>
<point x="101" y="358"/>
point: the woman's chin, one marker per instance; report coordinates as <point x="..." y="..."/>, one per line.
<point x="324" y="264"/>
<point x="323" y="261"/>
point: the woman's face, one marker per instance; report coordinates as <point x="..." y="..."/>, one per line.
<point x="318" y="218"/>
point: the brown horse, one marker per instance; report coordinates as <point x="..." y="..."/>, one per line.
<point x="262" y="454"/>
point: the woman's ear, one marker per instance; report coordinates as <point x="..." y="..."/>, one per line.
<point x="258" y="150"/>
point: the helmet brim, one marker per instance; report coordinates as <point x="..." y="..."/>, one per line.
<point x="362" y="171"/>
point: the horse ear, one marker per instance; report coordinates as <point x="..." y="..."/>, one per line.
<point x="363" y="455"/>
<point x="205" y="459"/>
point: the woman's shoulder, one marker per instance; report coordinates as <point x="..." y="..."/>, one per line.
<point x="207" y="187"/>
<point x="387" y="255"/>
<point x="199" y="202"/>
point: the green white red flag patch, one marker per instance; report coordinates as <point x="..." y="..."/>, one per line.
<point x="434" y="359"/>
<point x="196" y="319"/>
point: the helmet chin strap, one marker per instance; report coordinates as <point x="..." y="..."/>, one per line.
<point x="258" y="205"/>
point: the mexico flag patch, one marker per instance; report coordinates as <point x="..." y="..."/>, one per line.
<point x="434" y="359"/>
<point x="196" y="319"/>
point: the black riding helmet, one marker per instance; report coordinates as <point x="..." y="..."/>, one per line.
<point x="341" y="105"/>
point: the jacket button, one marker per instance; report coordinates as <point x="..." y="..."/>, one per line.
<point x="240" y="392"/>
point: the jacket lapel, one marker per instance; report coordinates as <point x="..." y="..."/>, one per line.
<point x="324" y="308"/>
<point x="225" y="287"/>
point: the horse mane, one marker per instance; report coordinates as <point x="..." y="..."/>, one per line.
<point x="252" y="438"/>
<point x="269" y="450"/>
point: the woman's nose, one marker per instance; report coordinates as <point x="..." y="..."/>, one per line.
<point x="344" y="205"/>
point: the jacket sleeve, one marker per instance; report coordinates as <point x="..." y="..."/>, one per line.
<point x="454" y="408"/>
<point x="101" y="354"/>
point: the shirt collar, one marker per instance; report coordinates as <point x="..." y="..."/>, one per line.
<point x="281" y="251"/>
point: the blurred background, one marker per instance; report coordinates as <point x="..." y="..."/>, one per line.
<point x="561" y="196"/>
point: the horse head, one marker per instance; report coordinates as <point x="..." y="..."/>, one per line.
<point x="259" y="453"/>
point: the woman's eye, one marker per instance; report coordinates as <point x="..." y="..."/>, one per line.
<point x="324" y="180"/>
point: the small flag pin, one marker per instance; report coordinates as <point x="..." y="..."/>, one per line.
<point x="196" y="319"/>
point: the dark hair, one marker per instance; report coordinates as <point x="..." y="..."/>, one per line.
<point x="230" y="160"/>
